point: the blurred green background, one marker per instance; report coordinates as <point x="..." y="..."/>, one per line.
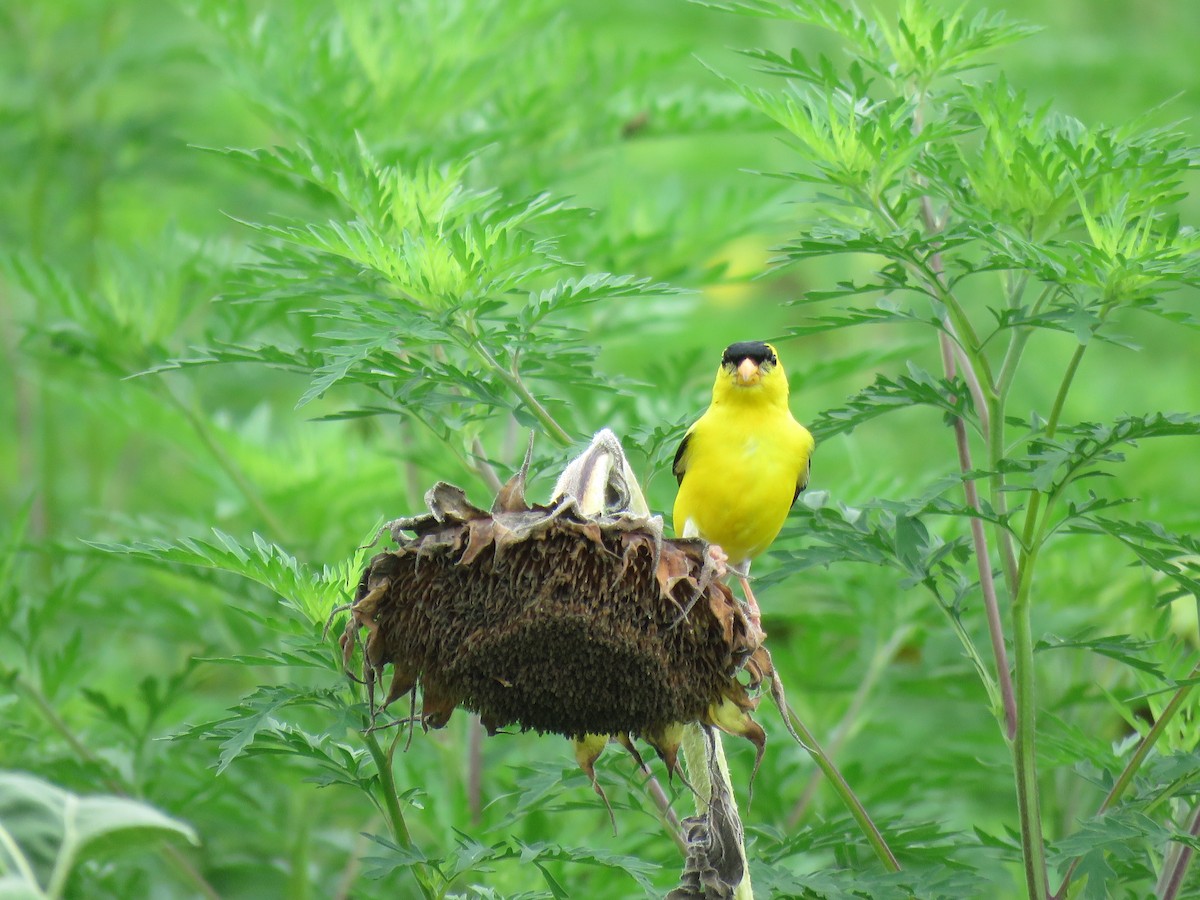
<point x="122" y="246"/>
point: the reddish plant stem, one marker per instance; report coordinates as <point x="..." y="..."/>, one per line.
<point x="475" y="769"/>
<point x="987" y="583"/>
<point x="1135" y="762"/>
<point x="1184" y="858"/>
<point x="1019" y="703"/>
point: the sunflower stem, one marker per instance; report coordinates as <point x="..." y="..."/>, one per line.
<point x="695" y="756"/>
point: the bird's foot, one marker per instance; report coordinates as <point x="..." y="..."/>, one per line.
<point x="720" y="560"/>
<point x="754" y="613"/>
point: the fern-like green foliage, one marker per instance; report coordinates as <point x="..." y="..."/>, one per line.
<point x="271" y="270"/>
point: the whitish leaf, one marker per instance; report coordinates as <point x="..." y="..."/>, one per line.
<point x="13" y="887"/>
<point x="53" y="829"/>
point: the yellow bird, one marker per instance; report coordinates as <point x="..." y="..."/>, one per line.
<point x="742" y="465"/>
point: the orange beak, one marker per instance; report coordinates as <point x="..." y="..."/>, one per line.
<point x="748" y="372"/>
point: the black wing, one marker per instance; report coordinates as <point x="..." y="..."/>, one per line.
<point x="679" y="467"/>
<point x="803" y="482"/>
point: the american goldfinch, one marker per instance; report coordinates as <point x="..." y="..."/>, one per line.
<point x="742" y="465"/>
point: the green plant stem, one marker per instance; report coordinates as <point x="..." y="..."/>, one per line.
<point x="483" y="468"/>
<point x="387" y="787"/>
<point x="1147" y="743"/>
<point x="1034" y="517"/>
<point x="958" y="325"/>
<point x="1184" y="784"/>
<point x="1004" y="381"/>
<point x="67" y="850"/>
<point x="989" y="683"/>
<point x="24" y="428"/>
<point x="1020" y="709"/>
<point x="1016" y="346"/>
<point x="1024" y="747"/>
<point x="880" y="660"/>
<point x="300" y="850"/>
<point x="225" y="461"/>
<point x="695" y="757"/>
<point x="845" y="792"/>
<point x="49" y="464"/>
<point x="56" y="722"/>
<point x="1024" y="750"/>
<point x="1064" y="388"/>
<point x="349" y="874"/>
<point x="976" y="369"/>
<point x="999" y="497"/>
<point x="512" y="378"/>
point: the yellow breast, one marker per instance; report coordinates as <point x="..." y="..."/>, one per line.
<point x="742" y="468"/>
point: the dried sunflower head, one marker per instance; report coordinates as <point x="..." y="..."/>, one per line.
<point x="576" y="617"/>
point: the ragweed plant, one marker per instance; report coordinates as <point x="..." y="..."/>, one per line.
<point x="269" y="270"/>
<point x="993" y="223"/>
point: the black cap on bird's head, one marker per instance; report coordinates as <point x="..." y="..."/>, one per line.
<point x="749" y="362"/>
<point x="756" y="351"/>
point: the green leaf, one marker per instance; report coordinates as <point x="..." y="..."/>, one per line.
<point x="559" y="892"/>
<point x="394" y="859"/>
<point x="256" y="725"/>
<point x="1078" y="451"/>
<point x="257" y="712"/>
<point x="879" y="533"/>
<point x="885" y="395"/>
<point x="1114" y="836"/>
<point x="1173" y="555"/>
<point x="1121" y="647"/>
<point x="884" y="315"/>
<point x="311" y="593"/>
